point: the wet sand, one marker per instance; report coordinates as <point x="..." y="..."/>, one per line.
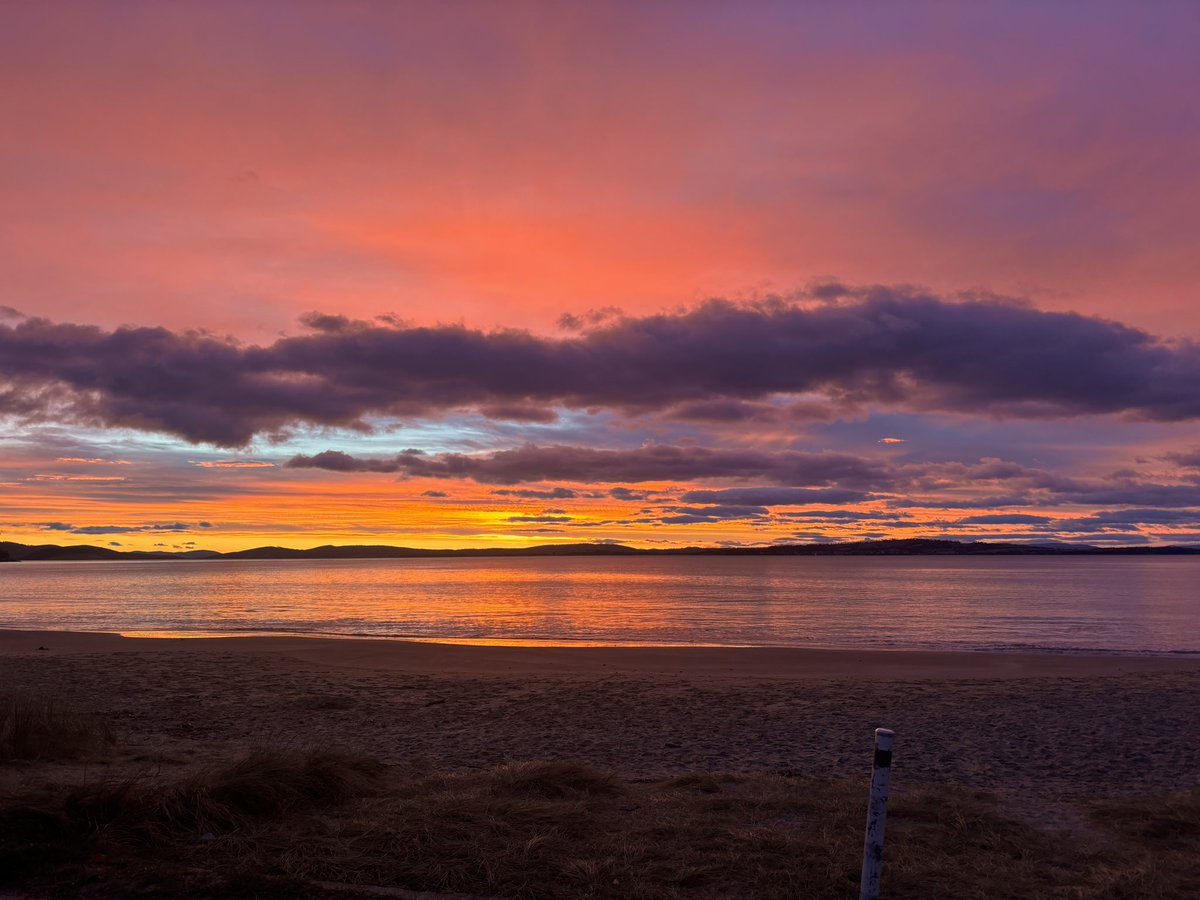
<point x="725" y="663"/>
<point x="1034" y="726"/>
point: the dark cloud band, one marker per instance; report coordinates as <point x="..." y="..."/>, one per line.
<point x="664" y="462"/>
<point x="880" y="346"/>
<point x="779" y="478"/>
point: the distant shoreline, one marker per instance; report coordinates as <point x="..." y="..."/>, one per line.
<point x="15" y="552"/>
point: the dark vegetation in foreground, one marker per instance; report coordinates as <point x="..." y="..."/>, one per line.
<point x="14" y="552"/>
<point x="281" y="823"/>
<point x="37" y="727"/>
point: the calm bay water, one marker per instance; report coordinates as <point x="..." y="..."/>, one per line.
<point x="1068" y="603"/>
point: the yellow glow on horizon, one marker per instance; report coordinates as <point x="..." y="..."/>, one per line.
<point x="258" y="506"/>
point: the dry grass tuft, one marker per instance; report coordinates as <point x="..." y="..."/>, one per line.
<point x="1171" y="822"/>
<point x="1166" y="828"/>
<point x="558" y="831"/>
<point x="700" y="781"/>
<point x="286" y="824"/>
<point x="262" y="785"/>
<point x="713" y="836"/>
<point x="37" y="727"/>
<point x="553" y="780"/>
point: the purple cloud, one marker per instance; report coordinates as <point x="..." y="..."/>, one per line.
<point x="556" y="493"/>
<point x="884" y="346"/>
<point x="152" y="527"/>
<point x="1190" y="460"/>
<point x="714" y="513"/>
<point x="621" y="493"/>
<point x="845" y="515"/>
<point x="775" y="496"/>
<point x="1004" y="519"/>
<point x="660" y="462"/>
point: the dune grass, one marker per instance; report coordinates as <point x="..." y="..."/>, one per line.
<point x="324" y="823"/>
<point x="263" y="785"/>
<point x="38" y="727"/>
<point x="320" y="823"/>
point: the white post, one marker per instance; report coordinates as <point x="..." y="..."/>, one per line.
<point x="881" y="776"/>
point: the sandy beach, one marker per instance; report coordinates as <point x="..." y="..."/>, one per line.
<point x="1034" y="728"/>
<point x="286" y="766"/>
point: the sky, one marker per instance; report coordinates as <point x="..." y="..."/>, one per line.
<point x="664" y="274"/>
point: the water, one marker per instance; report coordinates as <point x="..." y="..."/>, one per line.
<point x="1125" y="604"/>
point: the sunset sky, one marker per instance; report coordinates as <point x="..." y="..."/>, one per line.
<point x="500" y="273"/>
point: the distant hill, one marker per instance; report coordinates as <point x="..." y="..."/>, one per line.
<point x="905" y="547"/>
<point x="76" y="552"/>
<point x="379" y="551"/>
<point x="54" y="551"/>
